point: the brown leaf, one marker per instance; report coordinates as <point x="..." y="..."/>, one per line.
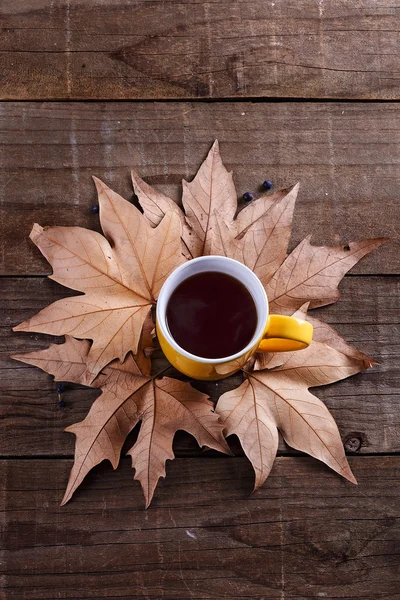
<point x="260" y="239"/>
<point x="156" y="205"/>
<point x="212" y="189"/>
<point x="323" y="333"/>
<point x="146" y="256"/>
<point x="312" y="274"/>
<point x="279" y="399"/>
<point x="252" y="212"/>
<point x="120" y="276"/>
<point x="254" y="422"/>
<point x="120" y="281"/>
<point x="326" y="334"/>
<point x="170" y="405"/>
<point x="163" y="405"/>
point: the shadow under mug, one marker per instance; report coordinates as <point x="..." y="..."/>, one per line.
<point x="274" y="333"/>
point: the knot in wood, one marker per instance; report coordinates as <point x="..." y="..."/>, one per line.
<point x="352" y="443"/>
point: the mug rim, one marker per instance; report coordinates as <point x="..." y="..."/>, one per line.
<point x="162" y="306"/>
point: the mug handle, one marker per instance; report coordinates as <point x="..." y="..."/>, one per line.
<point x="285" y="334"/>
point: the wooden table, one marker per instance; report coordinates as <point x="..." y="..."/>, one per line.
<point x="272" y="81"/>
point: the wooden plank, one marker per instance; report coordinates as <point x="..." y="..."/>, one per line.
<point x="365" y="406"/>
<point x="153" y="49"/>
<point x="306" y="533"/>
<point x="346" y="157"/>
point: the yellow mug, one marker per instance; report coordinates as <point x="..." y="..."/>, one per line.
<point x="274" y="333"/>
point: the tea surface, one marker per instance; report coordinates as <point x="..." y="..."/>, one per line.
<point x="211" y="315"/>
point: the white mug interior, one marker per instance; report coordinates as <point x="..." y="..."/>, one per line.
<point x="220" y="264"/>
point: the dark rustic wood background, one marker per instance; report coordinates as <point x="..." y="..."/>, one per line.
<point x="294" y="90"/>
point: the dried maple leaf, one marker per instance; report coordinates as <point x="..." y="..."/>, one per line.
<point x="259" y="237"/>
<point x="211" y="189"/>
<point x="277" y="398"/>
<point x="120" y="276"/>
<point x="260" y="233"/>
<point x="323" y="333"/>
<point x="312" y="274"/>
<point x="326" y="334"/>
<point x="156" y="205"/>
<point x="128" y="397"/>
<point x="309" y="273"/>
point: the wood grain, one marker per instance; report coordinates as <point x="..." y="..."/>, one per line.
<point x="305" y="534"/>
<point x="346" y="157"/>
<point x="153" y="49"/>
<point x="365" y="406"/>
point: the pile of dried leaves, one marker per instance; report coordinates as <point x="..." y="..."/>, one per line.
<point x="120" y="276"/>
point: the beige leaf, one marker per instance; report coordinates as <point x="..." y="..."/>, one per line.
<point x="305" y="422"/>
<point x="262" y="245"/>
<point x="120" y="282"/>
<point x="280" y="397"/>
<point x="320" y="364"/>
<point x="192" y="412"/>
<point x="267" y="238"/>
<point x="66" y="362"/>
<point x="254" y="211"/>
<point x="254" y="423"/>
<point x="146" y="256"/>
<point x="265" y="232"/>
<point x="326" y="334"/>
<point x="112" y="416"/>
<point x="110" y="313"/>
<point x="156" y="205"/>
<point x="312" y="274"/>
<point x="120" y="277"/>
<point x="142" y="357"/>
<point x="212" y="189"/>
<point x="101" y="434"/>
<point x="222" y="239"/>
<point x="259" y="235"/>
<point x="163" y="405"/>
